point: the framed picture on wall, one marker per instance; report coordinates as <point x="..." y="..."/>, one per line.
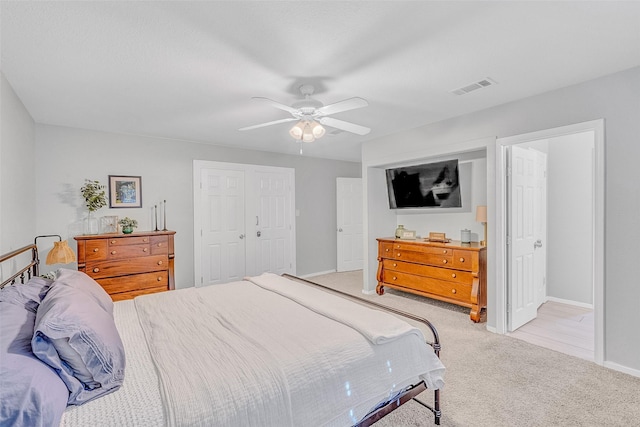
<point x="125" y="191"/>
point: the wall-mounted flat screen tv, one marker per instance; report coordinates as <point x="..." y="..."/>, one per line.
<point x="431" y="185"/>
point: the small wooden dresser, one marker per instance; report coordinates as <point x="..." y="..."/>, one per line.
<point x="451" y="272"/>
<point x="128" y="265"/>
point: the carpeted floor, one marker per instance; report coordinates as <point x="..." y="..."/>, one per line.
<point x="496" y="380"/>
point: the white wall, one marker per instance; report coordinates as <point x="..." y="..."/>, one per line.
<point x="615" y="98"/>
<point x="17" y="172"/>
<point x="66" y="156"/>
<point x="570" y="217"/>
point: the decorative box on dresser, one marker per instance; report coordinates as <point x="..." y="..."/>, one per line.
<point x="454" y="272"/>
<point x="128" y="265"/>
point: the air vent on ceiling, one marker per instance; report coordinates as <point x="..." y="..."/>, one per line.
<point x="474" y="86"/>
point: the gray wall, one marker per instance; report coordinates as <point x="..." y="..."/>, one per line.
<point x="17" y="171"/>
<point x="570" y="218"/>
<point x="66" y="156"/>
<point x="615" y="98"/>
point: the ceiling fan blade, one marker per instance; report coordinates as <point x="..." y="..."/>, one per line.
<point x="276" y="104"/>
<point x="340" y="124"/>
<point x="275" y="122"/>
<point x="338" y="107"/>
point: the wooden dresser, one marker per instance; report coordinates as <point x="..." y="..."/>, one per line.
<point x="451" y="272"/>
<point x="128" y="265"/>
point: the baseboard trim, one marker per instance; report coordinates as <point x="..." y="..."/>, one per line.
<point x="569" y="302"/>
<point x="319" y="273"/>
<point x="622" y="368"/>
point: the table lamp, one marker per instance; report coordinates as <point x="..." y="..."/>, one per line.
<point x="481" y="216"/>
<point x="61" y="253"/>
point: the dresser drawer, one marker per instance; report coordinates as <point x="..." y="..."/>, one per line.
<point x="159" y="245"/>
<point x="121" y="267"/>
<point x="453" y="290"/>
<point x="96" y="250"/>
<point x="464" y="260"/>
<point x="423" y="257"/>
<point x="124" y="241"/>
<point x="429" y="250"/>
<point x="135" y="282"/>
<point x="428" y="271"/>
<point x="128" y="251"/>
<point x="130" y="295"/>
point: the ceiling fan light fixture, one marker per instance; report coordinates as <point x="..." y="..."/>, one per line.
<point x="297" y="131"/>
<point x="317" y="129"/>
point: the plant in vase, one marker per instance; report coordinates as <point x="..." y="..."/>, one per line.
<point x="128" y="224"/>
<point x="94" y="198"/>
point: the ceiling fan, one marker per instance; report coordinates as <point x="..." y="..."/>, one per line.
<point x="311" y="114"/>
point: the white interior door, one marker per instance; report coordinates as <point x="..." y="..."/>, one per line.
<point x="521" y="184"/>
<point x="222" y="226"/>
<point x="349" y="221"/>
<point x="273" y="223"/>
<point x="540" y="228"/>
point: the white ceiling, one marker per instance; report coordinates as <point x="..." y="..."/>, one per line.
<point x="187" y="70"/>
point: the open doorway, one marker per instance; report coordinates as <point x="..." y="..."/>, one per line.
<point x="571" y="276"/>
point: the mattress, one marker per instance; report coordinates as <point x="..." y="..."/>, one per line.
<point x="325" y="360"/>
<point x="137" y="402"/>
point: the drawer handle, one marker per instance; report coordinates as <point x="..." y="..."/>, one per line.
<point x="453" y="275"/>
<point x="398" y="254"/>
<point x="461" y="259"/>
<point x="113" y="242"/>
<point x="444" y="261"/>
<point x="95" y="249"/>
<point x="145" y="240"/>
<point x="397" y="246"/>
<point x="395" y="265"/>
<point x="113" y="252"/>
<point x="386" y="250"/>
<point x="95" y="270"/>
<point x="144" y="249"/>
<point x="159" y="262"/>
<point x="444" y="252"/>
<point x="453" y="291"/>
<point x="395" y="278"/>
<point x="159" y="245"/>
<point x="159" y="279"/>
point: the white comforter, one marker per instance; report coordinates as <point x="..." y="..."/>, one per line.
<point x="272" y="352"/>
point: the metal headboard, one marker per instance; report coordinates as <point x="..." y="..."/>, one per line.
<point x="24" y="273"/>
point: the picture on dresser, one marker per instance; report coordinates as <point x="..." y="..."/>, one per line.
<point x="125" y="191"/>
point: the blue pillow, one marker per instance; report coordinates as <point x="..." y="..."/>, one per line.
<point x="31" y="393"/>
<point x="27" y="295"/>
<point x="75" y="336"/>
<point x="79" y="280"/>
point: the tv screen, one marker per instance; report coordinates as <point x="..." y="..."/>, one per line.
<point x="432" y="185"/>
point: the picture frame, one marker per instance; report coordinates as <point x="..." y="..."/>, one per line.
<point x="125" y="191"/>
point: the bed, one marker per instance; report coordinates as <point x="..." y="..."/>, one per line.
<point x="268" y="350"/>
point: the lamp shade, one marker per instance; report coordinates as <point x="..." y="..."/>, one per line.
<point x="481" y="214"/>
<point x="60" y="254"/>
<point x="297" y="131"/>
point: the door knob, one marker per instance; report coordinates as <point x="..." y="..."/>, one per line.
<point x="340" y="230"/>
<point x="537" y="244"/>
<point x="241" y="236"/>
<point x="258" y="233"/>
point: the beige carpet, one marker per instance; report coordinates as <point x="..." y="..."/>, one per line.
<point x="495" y="380"/>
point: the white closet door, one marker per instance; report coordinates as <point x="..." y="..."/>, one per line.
<point x="274" y="234"/>
<point x="223" y="220"/>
